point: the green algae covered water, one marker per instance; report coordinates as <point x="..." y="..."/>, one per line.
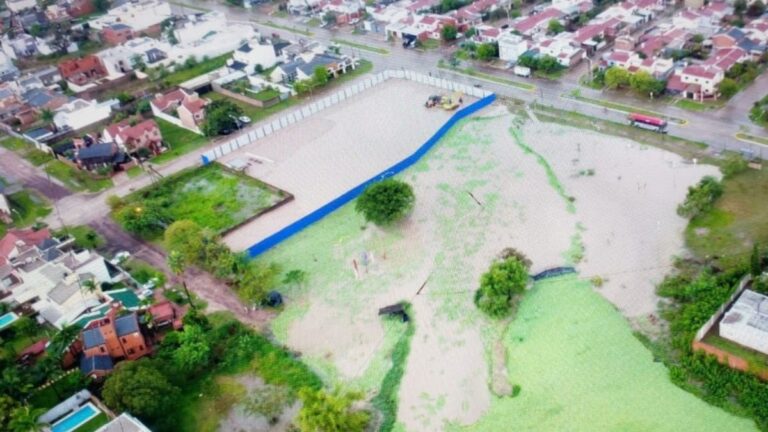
<point x="581" y="369"/>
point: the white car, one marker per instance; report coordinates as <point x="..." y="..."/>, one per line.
<point x="120" y="257"/>
<point x="244" y="119"/>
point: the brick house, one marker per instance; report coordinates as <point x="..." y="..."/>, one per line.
<point x="78" y="8"/>
<point x="81" y="71"/>
<point x="132" y="138"/>
<point x="180" y="108"/>
<point x="118" y="337"/>
<point x="116" y="34"/>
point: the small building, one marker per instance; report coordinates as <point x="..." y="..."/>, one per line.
<point x="746" y="322"/>
<point x="181" y="108"/>
<point x="257" y="53"/>
<point x="116" y="34"/>
<point x="303" y="67"/>
<point x="166" y="313"/>
<point x="82" y="71"/>
<point x="8" y="71"/>
<point x="100" y="155"/>
<point x="118" y="337"/>
<point x="132" y="138"/>
<point x="124" y="423"/>
<point x="512" y="46"/>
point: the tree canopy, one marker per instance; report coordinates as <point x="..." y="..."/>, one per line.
<point x="701" y="197"/>
<point x="140" y="388"/>
<point x="331" y="412"/>
<point x="220" y="117"/>
<point x="645" y="84"/>
<point x="554" y="27"/>
<point x="499" y="286"/>
<point x="386" y="202"/>
<point x="449" y="33"/>
<point x="486" y="51"/>
<point x="616" y="77"/>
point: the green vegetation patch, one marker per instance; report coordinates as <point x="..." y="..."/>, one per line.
<point x="211" y="196"/>
<point x="488" y="77"/>
<point x="253" y="112"/>
<point x="85" y="236"/>
<point x="579" y="367"/>
<point x="75" y="179"/>
<point x="203" y="67"/>
<point x="27" y="207"/>
<point x="361" y="46"/>
<point x="180" y="141"/>
<point x="736" y="221"/>
<point x="623" y="107"/>
<point x="386" y="400"/>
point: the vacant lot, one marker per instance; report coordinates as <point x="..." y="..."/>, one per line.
<point x="212" y="196"/>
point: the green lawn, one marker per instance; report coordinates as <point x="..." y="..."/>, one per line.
<point x="623" y="107"/>
<point x="93" y="424"/>
<point x="212" y="196"/>
<point x="75" y="179"/>
<point x="757" y="362"/>
<point x="27" y="207"/>
<point x="26" y="150"/>
<point x="292" y="29"/>
<point x="180" y="140"/>
<point x="488" y="77"/>
<point x="206" y="66"/>
<point x="134" y="171"/>
<point x="255" y="113"/>
<point x="143" y="272"/>
<point x="85" y="236"/>
<point x="361" y="46"/>
<point x="692" y="105"/>
<point x="749" y="137"/>
<point x="266" y="94"/>
<point x="314" y="22"/>
<point x="737" y="220"/>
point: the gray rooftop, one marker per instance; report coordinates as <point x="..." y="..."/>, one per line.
<point x="61" y="292"/>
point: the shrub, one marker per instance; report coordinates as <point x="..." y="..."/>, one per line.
<point x="733" y="165"/>
<point x="500" y="285"/>
<point x="386" y="202"/>
<point x="700" y="198"/>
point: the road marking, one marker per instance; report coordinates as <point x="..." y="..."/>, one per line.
<point x="745" y="137"/>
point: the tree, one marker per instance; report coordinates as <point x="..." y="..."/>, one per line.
<point x="386" y="202"/>
<point x="137" y="61"/>
<point x="143" y="107"/>
<point x="616" y="77"/>
<point x="449" y="33"/>
<point x="739" y="7"/>
<point x="145" y="221"/>
<point x="548" y="64"/>
<point x="255" y="281"/>
<point x="124" y="98"/>
<point x="701" y="197"/>
<point x="101" y="5"/>
<point x="728" y="87"/>
<point x="15" y="382"/>
<point x="733" y="165"/>
<point x="193" y="353"/>
<point x="755" y="9"/>
<point x="221" y="117"/>
<point x="500" y="285"/>
<point x="7" y="406"/>
<point x="329" y="18"/>
<point x="330" y="412"/>
<point x="61" y="343"/>
<point x="185" y="237"/>
<point x="321" y="76"/>
<point x="645" y="84"/>
<point x="177" y="264"/>
<point x="47" y="117"/>
<point x="554" y="27"/>
<point x="139" y="388"/>
<point x="24" y="419"/>
<point x="486" y="51"/>
<point x="25" y="326"/>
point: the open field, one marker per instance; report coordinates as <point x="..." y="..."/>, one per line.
<point x="561" y="196"/>
<point x="324" y="156"/>
<point x="211" y="196"/>
<point x="180" y="141"/>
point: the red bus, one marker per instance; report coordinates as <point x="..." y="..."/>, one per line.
<point x="647" y="122"/>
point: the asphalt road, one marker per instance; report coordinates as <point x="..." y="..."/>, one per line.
<point x="17" y="170"/>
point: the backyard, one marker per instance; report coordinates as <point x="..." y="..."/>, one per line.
<point x="211" y="196"/>
<point x="180" y="141"/>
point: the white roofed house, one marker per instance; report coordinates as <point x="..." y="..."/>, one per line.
<point x="8" y="71"/>
<point x="17" y="6"/>
<point x="512" y="46"/>
<point x="562" y="48"/>
<point x="303" y="67"/>
<point x="345" y="11"/>
<point x="746" y="322"/>
<point x="142" y="16"/>
<point x="80" y="113"/>
<point x="258" y="53"/>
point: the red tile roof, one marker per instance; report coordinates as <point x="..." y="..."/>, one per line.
<point x="173" y="97"/>
<point x="699" y="71"/>
<point x="534" y="20"/>
<point x="28" y="237"/>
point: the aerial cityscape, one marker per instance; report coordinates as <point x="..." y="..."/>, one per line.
<point x="383" y="215"/>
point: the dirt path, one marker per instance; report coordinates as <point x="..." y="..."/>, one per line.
<point x="216" y="293"/>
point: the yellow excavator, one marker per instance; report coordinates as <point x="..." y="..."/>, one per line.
<point x="450" y="103"/>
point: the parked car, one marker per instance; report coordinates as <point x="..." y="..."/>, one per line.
<point x="120" y="257"/>
<point x="244" y="119"/>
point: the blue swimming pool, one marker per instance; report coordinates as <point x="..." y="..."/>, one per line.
<point x="76" y="419"/>
<point x="7" y="319"/>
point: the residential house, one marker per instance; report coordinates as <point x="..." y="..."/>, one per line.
<point x="207" y="35"/>
<point x="51" y="276"/>
<point x="31" y="20"/>
<point x="8" y="71"/>
<point x="80" y="113"/>
<point x="303" y="67"/>
<point x="181" y="108"/>
<point x="142" y="16"/>
<point x="116" y="34"/>
<point x="78" y="8"/>
<point x="124" y="423"/>
<point x="421" y="27"/>
<point x="537" y="24"/>
<point x="24" y="45"/>
<point x="472" y="14"/>
<point x="99" y="155"/>
<point x="117" y="60"/>
<point x="512" y="46"/>
<point x="48" y="76"/>
<point x="303" y="7"/>
<point x="345" y="11"/>
<point x="746" y="321"/>
<point x="96" y="366"/>
<point x="10" y="104"/>
<point x="744" y="39"/>
<point x="144" y="135"/>
<point x="486" y="34"/>
<point x="257" y="53"/>
<point x="56" y="13"/>
<point x="561" y="48"/>
<point x="594" y="36"/>
<point x="118" y="337"/>
<point x="658" y="67"/>
<point x="82" y="71"/>
<point x="166" y="313"/>
<point x="17" y="6"/>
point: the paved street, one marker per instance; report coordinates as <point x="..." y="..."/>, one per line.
<point x="17" y="170"/>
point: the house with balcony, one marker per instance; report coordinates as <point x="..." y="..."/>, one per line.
<point x="132" y="138"/>
<point x="116" y="34"/>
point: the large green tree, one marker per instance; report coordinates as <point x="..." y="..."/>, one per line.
<point x="449" y="33"/>
<point x="146" y="221"/>
<point x="386" y="202"/>
<point x="24" y="419"/>
<point x="701" y="197"/>
<point x="220" y="116"/>
<point x="194" y="350"/>
<point x="186" y="238"/>
<point x="486" y="51"/>
<point x="139" y="388"/>
<point x="331" y="412"/>
<point x="500" y="285"/>
<point x="645" y="84"/>
<point x="616" y="77"/>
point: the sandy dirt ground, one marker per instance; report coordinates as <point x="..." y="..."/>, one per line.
<point x="627" y="208"/>
<point x="479" y="191"/>
<point x="327" y="154"/>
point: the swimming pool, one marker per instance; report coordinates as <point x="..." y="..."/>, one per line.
<point x="7" y="319"/>
<point x="76" y="419"/>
